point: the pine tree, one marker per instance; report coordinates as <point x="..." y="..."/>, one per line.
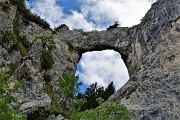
<point x="94" y="95"/>
<point x="115" y="25"/>
<point x="109" y="91"/>
<point x="91" y="94"/>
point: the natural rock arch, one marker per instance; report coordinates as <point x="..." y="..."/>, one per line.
<point x="151" y="52"/>
<point x="117" y="39"/>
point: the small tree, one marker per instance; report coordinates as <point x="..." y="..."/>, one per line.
<point x="92" y="93"/>
<point x="115" y="25"/>
<point x="95" y="95"/>
<point x="68" y="87"/>
<point x="109" y="91"/>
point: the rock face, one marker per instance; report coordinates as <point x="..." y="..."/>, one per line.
<point x="150" y="50"/>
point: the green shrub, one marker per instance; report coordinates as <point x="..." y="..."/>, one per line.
<point x="78" y="103"/>
<point x="56" y="110"/>
<point x="22" y="49"/>
<point x="45" y="38"/>
<point x="61" y="26"/>
<point x="115" y="25"/>
<point x="67" y="89"/>
<point x="12" y="67"/>
<point x="111" y="110"/>
<point x="9" y="37"/>
<point x="46" y="60"/>
<point x="5" y="6"/>
<point x="47" y="78"/>
<point x="47" y="42"/>
<point x="6" y="97"/>
<point x="69" y="85"/>
<point x="40" y="114"/>
<point x="100" y="100"/>
<point x="2" y="64"/>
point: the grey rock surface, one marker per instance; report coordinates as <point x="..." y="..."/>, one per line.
<point x="53" y="117"/>
<point x="150" y="50"/>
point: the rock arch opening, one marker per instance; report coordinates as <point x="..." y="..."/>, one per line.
<point x="102" y="67"/>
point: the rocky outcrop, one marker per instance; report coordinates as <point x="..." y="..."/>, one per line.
<point x="150" y="50"/>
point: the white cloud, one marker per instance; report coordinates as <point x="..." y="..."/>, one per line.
<point x="103" y="67"/>
<point x="94" y="14"/>
<point x="50" y="11"/>
<point x="127" y="12"/>
<point x="77" y="21"/>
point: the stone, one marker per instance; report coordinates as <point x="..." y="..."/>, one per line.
<point x="53" y="117"/>
<point x="33" y="101"/>
<point x="150" y="50"/>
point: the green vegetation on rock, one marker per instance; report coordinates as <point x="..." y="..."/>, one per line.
<point x="111" y="110"/>
<point x="47" y="42"/>
<point x="9" y="37"/>
<point x="12" y="67"/>
<point x="68" y="87"/>
<point x="13" y="38"/>
<point x="45" y="38"/>
<point x="7" y="112"/>
<point x="40" y="114"/>
<point x="5" y="6"/>
<point x="47" y="78"/>
<point x="22" y="49"/>
<point x="72" y="101"/>
<point x="28" y="15"/>
<point x="46" y="60"/>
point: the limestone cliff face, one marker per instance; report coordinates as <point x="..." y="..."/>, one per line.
<point x="150" y="50"/>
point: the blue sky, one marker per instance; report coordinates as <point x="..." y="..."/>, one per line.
<point x="104" y="66"/>
<point x="69" y="5"/>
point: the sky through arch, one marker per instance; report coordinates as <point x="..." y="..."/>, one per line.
<point x="98" y="66"/>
